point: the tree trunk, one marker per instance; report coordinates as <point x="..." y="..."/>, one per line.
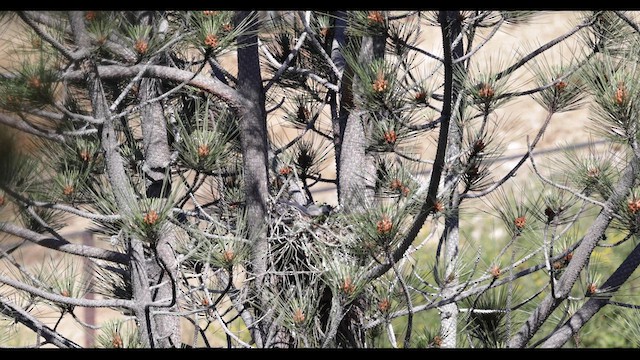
<point x="122" y="190"/>
<point x="253" y="138"/>
<point x="356" y="168"/>
<point x="451" y="236"/>
<point x="141" y="293"/>
<point x="161" y="264"/>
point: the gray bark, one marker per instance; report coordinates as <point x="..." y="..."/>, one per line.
<point x="451" y="235"/>
<point x="9" y="309"/>
<point x="580" y="258"/>
<point x="154" y="140"/>
<point x="336" y="313"/>
<point x="118" y="179"/>
<point x="356" y="168"/>
<point x="449" y="312"/>
<point x="162" y="269"/>
<point x="253" y="138"/>
<point x="141" y="293"/>
<point x="156" y="157"/>
<point x="594" y="304"/>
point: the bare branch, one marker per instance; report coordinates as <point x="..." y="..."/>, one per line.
<point x="23" y="126"/>
<point x="596" y="302"/>
<point x="205" y="83"/>
<point x="61" y="299"/>
<point x="11" y="310"/>
<point x="523" y="60"/>
<point x="229" y="332"/>
<point x="512" y="172"/>
<point x="64" y="246"/>
<point x="580" y="257"/>
<point x="487" y="38"/>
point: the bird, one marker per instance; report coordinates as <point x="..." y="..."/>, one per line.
<point x="311" y="209"/>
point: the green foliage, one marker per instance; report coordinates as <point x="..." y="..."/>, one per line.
<point x="294" y="278"/>
<point x="119" y="334"/>
<point x="380" y="228"/>
<point x="613" y="83"/>
<point x="33" y="85"/>
<point x="371" y="22"/>
<point x="219" y="246"/>
<point x="310" y="156"/>
<point x="215" y="30"/>
<point x="563" y="89"/>
<point x="208" y="139"/>
<point x="486" y="320"/>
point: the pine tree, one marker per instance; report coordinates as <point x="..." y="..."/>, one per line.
<point x="195" y="146"/>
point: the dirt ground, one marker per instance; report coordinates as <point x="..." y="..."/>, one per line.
<point x="523" y="116"/>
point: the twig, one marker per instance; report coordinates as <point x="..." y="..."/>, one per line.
<point x="46" y="37"/>
<point x="283" y="67"/>
<point x="9" y="309"/>
<point x="314" y="41"/>
<point x="512" y="172"/>
<point x="562" y="187"/>
<point x="104" y="303"/>
<point x="229" y="332"/>
<point x="473" y="51"/>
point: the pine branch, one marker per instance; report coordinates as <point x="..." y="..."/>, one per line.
<point x="596" y="302"/>
<point x="15" y="312"/>
<point x="580" y="257"/>
<point x="61" y="207"/>
<point x="46" y="37"/>
<point x="523" y="60"/>
<point x="627" y="20"/>
<point x="304" y="72"/>
<point x="61" y="299"/>
<point x="285" y="65"/>
<point x="63" y="246"/>
<point x="205" y="83"/>
<point x="439" y="161"/>
<point x="513" y="170"/>
<point x="305" y="18"/>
